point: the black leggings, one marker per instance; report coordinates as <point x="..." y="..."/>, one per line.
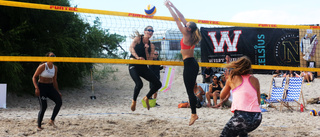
<point x="241" y="123"/>
<point x="190" y="72"/>
<point x="48" y="91"/>
<point x="137" y="71"/>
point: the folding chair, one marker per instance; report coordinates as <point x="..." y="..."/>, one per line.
<point x="294" y="93"/>
<point x="277" y="90"/>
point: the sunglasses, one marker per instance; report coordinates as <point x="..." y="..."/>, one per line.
<point x="150" y="30"/>
<point x="52" y="56"/>
<point x="215" y="79"/>
<point x="156" y="54"/>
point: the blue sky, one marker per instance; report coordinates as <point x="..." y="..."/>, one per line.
<point x="248" y="11"/>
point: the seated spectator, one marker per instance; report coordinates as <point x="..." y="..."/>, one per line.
<point x="224" y="71"/>
<point x="225" y="102"/>
<point x="214" y="91"/>
<point x="277" y="73"/>
<point x="223" y="79"/>
<point x="291" y="73"/>
<point x="198" y="92"/>
<point x="207" y="74"/>
<point x="307" y="76"/>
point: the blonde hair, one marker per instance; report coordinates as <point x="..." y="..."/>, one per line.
<point x="195" y="36"/>
<point x="137" y="34"/>
<point x="241" y="66"/>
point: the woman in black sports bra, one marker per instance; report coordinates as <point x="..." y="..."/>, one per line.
<point x="140" y="49"/>
<point x="214" y="91"/>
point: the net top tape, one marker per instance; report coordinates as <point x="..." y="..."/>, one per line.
<point x="135" y="15"/>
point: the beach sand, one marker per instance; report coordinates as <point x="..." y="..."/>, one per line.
<point x="110" y="114"/>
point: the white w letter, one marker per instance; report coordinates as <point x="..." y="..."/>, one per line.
<point x="218" y="47"/>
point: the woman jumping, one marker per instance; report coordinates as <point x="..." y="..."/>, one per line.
<point x="141" y="49"/>
<point x="191" y="37"/>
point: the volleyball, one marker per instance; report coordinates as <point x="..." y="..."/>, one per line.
<point x="313" y="112"/>
<point x="150" y="10"/>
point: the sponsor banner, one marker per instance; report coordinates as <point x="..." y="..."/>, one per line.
<point x="264" y="46"/>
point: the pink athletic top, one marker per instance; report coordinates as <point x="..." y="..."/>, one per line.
<point x="184" y="46"/>
<point x="245" y="97"/>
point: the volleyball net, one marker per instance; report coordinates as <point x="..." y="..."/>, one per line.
<point x="269" y="46"/>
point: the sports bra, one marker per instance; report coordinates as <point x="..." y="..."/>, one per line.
<point x="184" y="46"/>
<point x="48" y="73"/>
<point x="140" y="50"/>
<point x="216" y="88"/>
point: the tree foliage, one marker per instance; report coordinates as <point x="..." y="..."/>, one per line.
<point x="32" y="32"/>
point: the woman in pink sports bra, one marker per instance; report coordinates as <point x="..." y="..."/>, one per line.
<point x="246" y="99"/>
<point x="191" y="37"/>
<point x="46" y="86"/>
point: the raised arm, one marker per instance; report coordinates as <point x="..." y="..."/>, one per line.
<point x="169" y="5"/>
<point x="181" y="17"/>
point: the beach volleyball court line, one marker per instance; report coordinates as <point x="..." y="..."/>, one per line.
<point x="113" y="113"/>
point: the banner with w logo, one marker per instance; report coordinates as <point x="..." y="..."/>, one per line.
<point x="264" y="46"/>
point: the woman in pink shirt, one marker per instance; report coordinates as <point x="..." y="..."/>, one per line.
<point x="245" y="103"/>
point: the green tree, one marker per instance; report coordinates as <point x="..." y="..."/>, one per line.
<point x="32" y="32"/>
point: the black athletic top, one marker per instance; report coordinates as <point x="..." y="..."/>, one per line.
<point x="140" y="50"/>
<point x="217" y="88"/>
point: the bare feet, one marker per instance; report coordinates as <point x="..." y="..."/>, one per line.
<point x="209" y="105"/>
<point x="51" y="123"/>
<point x="216" y="106"/>
<point x="193" y="118"/>
<point x="133" y="105"/>
<point x="39" y="128"/>
<point x="147" y="102"/>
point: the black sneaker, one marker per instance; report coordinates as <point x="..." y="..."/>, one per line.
<point x="157" y="104"/>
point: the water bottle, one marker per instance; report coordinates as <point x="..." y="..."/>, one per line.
<point x="301" y="107"/>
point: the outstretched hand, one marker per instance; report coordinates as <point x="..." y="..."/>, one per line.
<point x="168" y="3"/>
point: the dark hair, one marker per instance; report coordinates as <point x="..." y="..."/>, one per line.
<point x="48" y="53"/>
<point x="215" y="76"/>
